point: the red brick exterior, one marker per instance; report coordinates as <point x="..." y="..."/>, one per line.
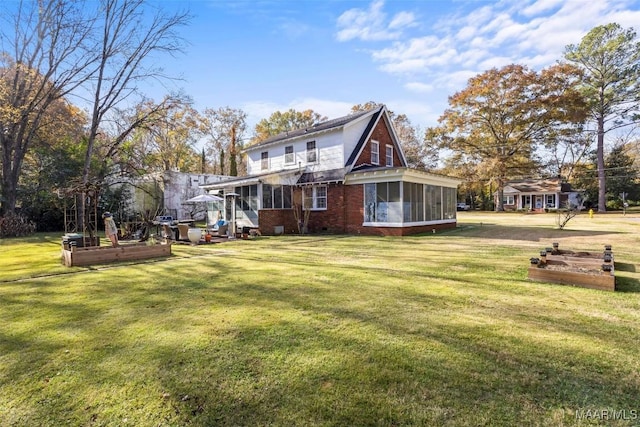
<point x="271" y="218"/>
<point x="345" y="203"/>
<point x="344" y="215"/>
<point x="381" y="134"/>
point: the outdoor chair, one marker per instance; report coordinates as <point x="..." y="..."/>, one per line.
<point x="167" y="233"/>
<point x="183" y="232"/>
<point x="220" y="230"/>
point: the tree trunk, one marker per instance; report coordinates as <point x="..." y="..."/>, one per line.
<point x="500" y="192"/>
<point x="233" y="165"/>
<point x="11" y="165"/>
<point x="602" y="191"/>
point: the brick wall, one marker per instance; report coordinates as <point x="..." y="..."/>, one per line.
<point x="344" y="215"/>
<point x="270" y="218"/>
<point x="381" y="134"/>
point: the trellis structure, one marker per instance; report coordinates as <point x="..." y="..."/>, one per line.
<point x="81" y="211"/>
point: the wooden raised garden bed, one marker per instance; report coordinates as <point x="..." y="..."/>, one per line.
<point x="101" y="255"/>
<point x="583" y="269"/>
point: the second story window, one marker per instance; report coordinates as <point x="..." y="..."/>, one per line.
<point x="289" y="156"/>
<point x="312" y="153"/>
<point x="264" y="160"/>
<point x="389" y="154"/>
<point x="375" y="153"/>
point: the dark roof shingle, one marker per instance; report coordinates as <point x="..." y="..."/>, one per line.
<point x="322" y="126"/>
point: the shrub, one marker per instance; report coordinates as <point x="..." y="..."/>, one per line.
<point x="13" y="225"/>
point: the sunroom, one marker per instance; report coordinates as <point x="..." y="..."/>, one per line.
<point x="406" y="198"/>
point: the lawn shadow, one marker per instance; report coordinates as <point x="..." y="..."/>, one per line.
<point x="493" y="231"/>
<point x="627" y="285"/>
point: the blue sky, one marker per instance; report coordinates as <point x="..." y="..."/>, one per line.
<point x="327" y="55"/>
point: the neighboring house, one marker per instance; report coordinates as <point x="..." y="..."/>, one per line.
<point x="347" y="175"/>
<point x="537" y="195"/>
<point x="165" y="193"/>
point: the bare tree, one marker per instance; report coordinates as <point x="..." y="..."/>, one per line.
<point x="52" y="49"/>
<point x="41" y="62"/>
<point x="128" y="38"/>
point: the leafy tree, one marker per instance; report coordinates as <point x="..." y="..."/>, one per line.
<point x="280" y="122"/>
<point x="622" y="175"/>
<point x="173" y="132"/>
<point x="497" y="122"/>
<point x="225" y="130"/>
<point x="610" y="58"/>
<point x="58" y="48"/>
<point x="54" y="160"/>
<point x="566" y="151"/>
<point x="41" y="63"/>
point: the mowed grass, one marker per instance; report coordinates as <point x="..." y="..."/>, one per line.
<point x="440" y="329"/>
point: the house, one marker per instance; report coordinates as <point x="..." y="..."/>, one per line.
<point x="537" y="195"/>
<point x="346" y="175"/>
<point x="164" y="193"/>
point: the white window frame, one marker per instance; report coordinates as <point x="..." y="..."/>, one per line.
<point x="319" y="196"/>
<point x="389" y="154"/>
<point x="552" y="203"/>
<point x="264" y="160"/>
<point x="508" y="200"/>
<point x="289" y="158"/>
<point x="375" y="152"/>
<point x="313" y="150"/>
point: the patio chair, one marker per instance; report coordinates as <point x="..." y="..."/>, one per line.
<point x="183" y="232"/>
<point x="167" y="234"/>
<point x="220" y="229"/>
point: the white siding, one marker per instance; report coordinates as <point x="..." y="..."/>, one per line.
<point x="352" y="133"/>
<point x="334" y="148"/>
<point x="329" y="146"/>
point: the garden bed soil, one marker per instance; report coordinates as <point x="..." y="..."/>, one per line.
<point x="582" y="269"/>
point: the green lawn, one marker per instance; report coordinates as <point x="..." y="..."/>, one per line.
<point x="440" y="329"/>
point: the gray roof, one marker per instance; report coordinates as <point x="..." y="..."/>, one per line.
<point x="549" y="185"/>
<point x="322" y="126"/>
<point x="334" y="175"/>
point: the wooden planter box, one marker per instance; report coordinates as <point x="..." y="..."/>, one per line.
<point x="604" y="280"/>
<point x="582" y="269"/>
<point x="101" y="255"/>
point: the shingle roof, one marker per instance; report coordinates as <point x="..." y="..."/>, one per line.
<point x="536" y="185"/>
<point x="323" y="126"/>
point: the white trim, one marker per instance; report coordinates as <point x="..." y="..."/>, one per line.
<point x="376" y="152"/>
<point x="293" y="159"/>
<point x="408" y="224"/>
<point x="314" y="197"/>
<point x="400" y="174"/>
<point x="388" y="159"/>
<point x="315" y="150"/>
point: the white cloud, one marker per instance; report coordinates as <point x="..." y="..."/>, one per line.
<point x="541" y="6"/>
<point x="371" y="24"/>
<point x="532" y="33"/>
<point x="403" y="20"/>
<point x="419" y="87"/>
<point x="418" y="55"/>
